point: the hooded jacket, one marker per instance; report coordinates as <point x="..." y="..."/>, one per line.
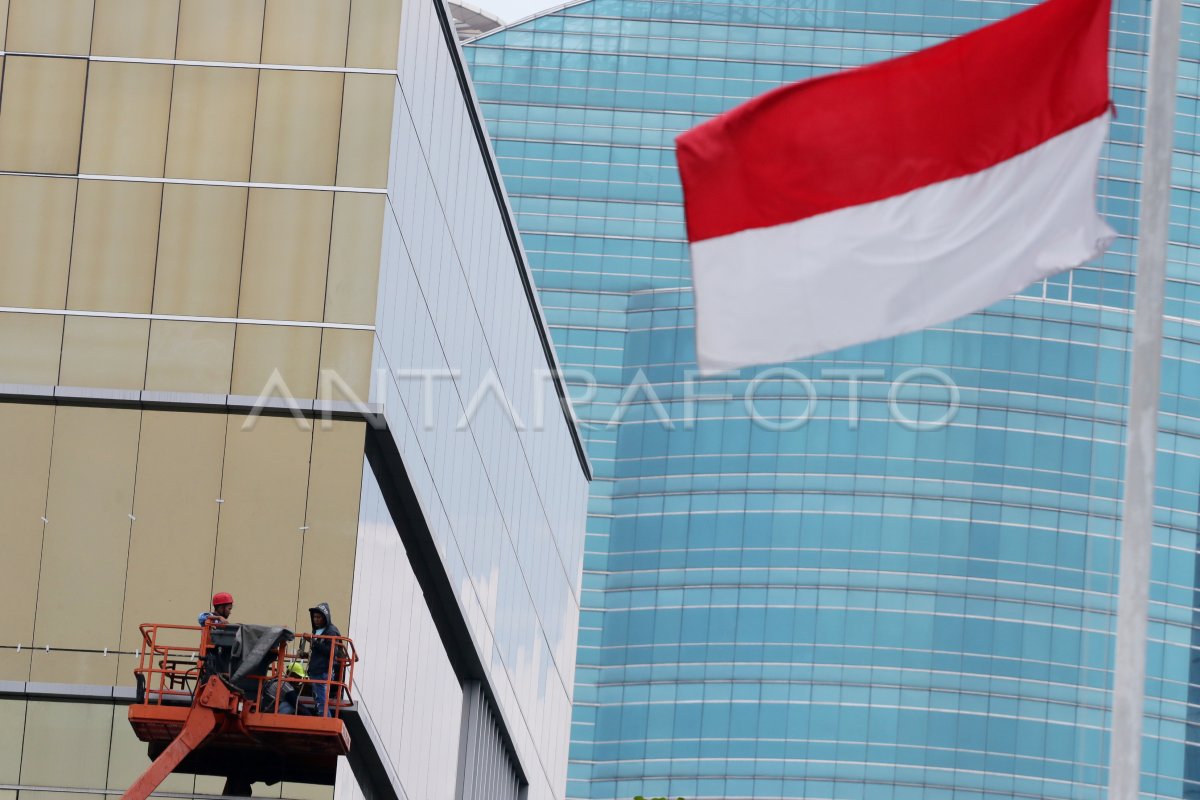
<point x="318" y="661"/>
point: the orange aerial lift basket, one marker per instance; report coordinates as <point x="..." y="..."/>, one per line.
<point x="234" y="701"/>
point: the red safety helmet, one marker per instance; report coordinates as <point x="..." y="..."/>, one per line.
<point x="222" y="599"/>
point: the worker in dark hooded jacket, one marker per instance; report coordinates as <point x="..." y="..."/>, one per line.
<point x="322" y="656"/>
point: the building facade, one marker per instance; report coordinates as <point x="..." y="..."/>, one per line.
<point x="887" y="572"/>
<point x="265" y="325"/>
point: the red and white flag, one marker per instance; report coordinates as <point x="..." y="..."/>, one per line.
<point x="899" y="195"/>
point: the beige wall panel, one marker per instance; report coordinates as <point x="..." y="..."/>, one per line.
<point x="125" y="119"/>
<point x="220" y="30"/>
<point x="60" y="666"/>
<point x="104" y="353"/>
<point x="335" y="481"/>
<point x="306" y="32"/>
<point x="354" y="252"/>
<point x="200" y="250"/>
<point x="190" y="357"/>
<point x="36" y="219"/>
<point x="3" y="19"/>
<point x="306" y="791"/>
<point x="50" y="26"/>
<point x="287" y="253"/>
<point x="87" y="537"/>
<point x="261" y="350"/>
<point x="12" y="731"/>
<point x="366" y="138"/>
<point x="135" y="28"/>
<point x="116" y="239"/>
<point x="296" y="128"/>
<point x="66" y="744"/>
<point x="41" y="109"/>
<point x="345" y="365"/>
<point x="175" y="505"/>
<point x="212" y="123"/>
<point x="33" y="345"/>
<point x="27" y="794"/>
<point x="128" y="758"/>
<point x="374" y="34"/>
<point x="259" y="540"/>
<point x="14" y="666"/>
<point x="25" y="436"/>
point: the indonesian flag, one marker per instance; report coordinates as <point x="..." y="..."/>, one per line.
<point x="899" y="195"/>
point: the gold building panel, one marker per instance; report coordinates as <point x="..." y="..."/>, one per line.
<point x="276" y="360"/>
<point x="104" y="353"/>
<point x="33" y="345"/>
<point x="220" y="30"/>
<point x="366" y="139"/>
<point x="66" y="744"/>
<point x="345" y="365"/>
<point x="200" y="250"/>
<point x="334" y="485"/>
<point x="212" y="123"/>
<point x="174" y="536"/>
<point x="296" y="127"/>
<point x="306" y="32"/>
<point x="259" y="541"/>
<point x="125" y="119"/>
<point x="287" y="255"/>
<point x="128" y="758"/>
<point x="37" y="216"/>
<point x="41" y="108"/>
<point x="12" y="732"/>
<point x="61" y="27"/>
<point x="87" y="536"/>
<point x="354" y="256"/>
<point x="374" y="34"/>
<point x="190" y="357"/>
<point x="25" y="435"/>
<point x="135" y="28"/>
<point x="116" y="238"/>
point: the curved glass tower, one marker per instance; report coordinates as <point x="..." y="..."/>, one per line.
<point x="884" y="573"/>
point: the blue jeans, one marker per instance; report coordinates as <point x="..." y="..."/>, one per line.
<point x="319" y="693"/>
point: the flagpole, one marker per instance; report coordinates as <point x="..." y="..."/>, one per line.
<point x="1133" y="600"/>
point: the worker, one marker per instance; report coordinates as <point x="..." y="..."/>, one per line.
<point x="222" y="607"/>
<point x="322" y="657"/>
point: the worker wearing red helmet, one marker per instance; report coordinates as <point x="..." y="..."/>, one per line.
<point x="222" y="607"/>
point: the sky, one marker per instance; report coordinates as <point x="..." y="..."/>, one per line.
<point x="513" y="10"/>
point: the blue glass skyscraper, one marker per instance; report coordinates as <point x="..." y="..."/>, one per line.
<point x="888" y="572"/>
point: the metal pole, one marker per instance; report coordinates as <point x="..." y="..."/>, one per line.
<point x="1133" y="601"/>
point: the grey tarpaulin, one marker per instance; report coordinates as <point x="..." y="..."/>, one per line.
<point x="253" y="645"/>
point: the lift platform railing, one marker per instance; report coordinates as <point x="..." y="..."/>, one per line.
<point x="172" y="662"/>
